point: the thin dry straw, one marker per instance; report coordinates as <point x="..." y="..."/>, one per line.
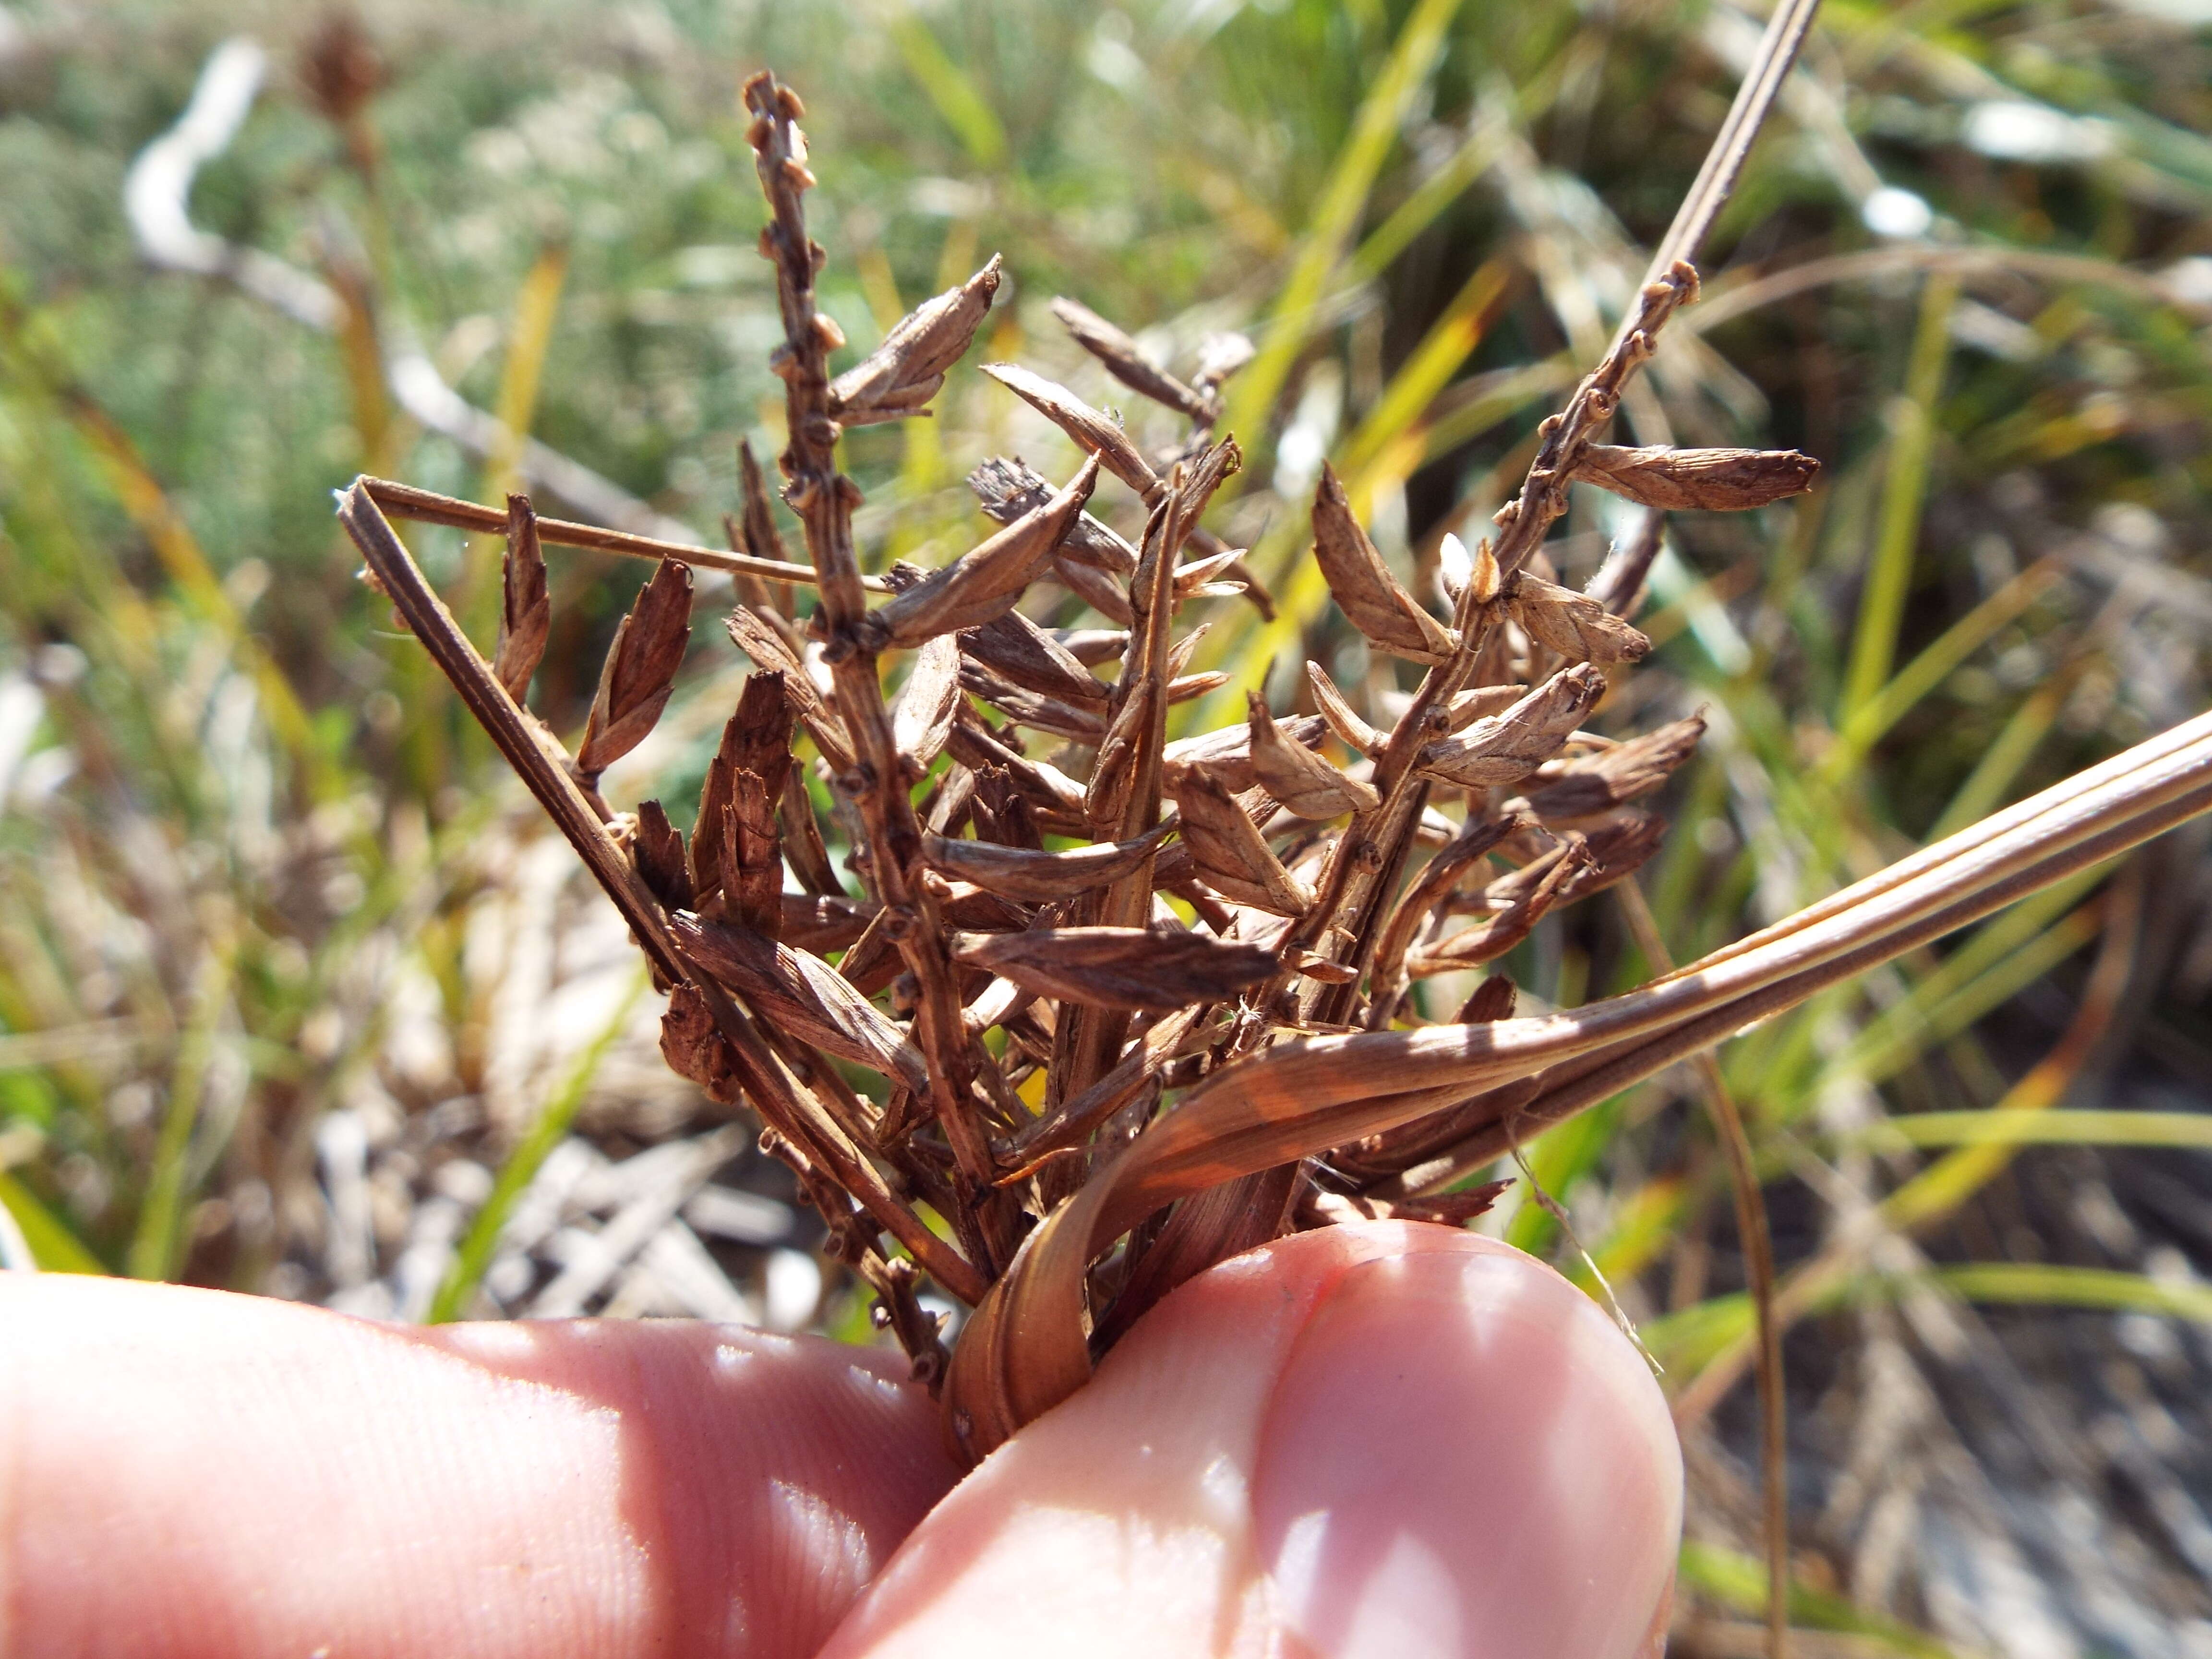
<point x="405" y="501"/>
<point x="2105" y="773"/>
<point x="1754" y="99"/>
<point x="1604" y="1072"/>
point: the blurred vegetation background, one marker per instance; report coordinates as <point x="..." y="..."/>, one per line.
<point x="297" y="995"/>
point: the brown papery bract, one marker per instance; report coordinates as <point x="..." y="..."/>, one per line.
<point x="640" y="670"/>
<point x="1129" y="365"/>
<point x="525" y="611"/>
<point x="900" y="376"/>
<point x="1161" y="968"/>
<point x="1707" y="480"/>
<point x="1364" y="589"/>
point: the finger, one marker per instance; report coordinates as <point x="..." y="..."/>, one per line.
<point x="185" y="1473"/>
<point x="1384" y="1440"/>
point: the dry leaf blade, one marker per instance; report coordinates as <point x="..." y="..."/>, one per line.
<point x="1301" y="780"/>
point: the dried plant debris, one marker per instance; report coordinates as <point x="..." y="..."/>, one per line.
<point x="1708" y="480"/>
<point x="1367" y="593"/>
<point x="1163" y="968"/>
<point x="1571" y="790"/>
<point x="526" y="614"/>
<point x="1127" y="363"/>
<point x="640" y="667"/>
<point x="900" y="376"/>
<point x="1200" y="965"/>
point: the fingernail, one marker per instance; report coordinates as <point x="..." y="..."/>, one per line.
<point x="1463" y="1457"/>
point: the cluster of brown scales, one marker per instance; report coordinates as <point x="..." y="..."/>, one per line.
<point x="1138" y="1004"/>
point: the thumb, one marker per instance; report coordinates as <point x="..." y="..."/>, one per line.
<point x="1389" y="1439"/>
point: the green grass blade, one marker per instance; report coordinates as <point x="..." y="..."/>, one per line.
<point x="973" y="120"/>
<point x="545" y="1133"/>
<point x="2036" y="1284"/>
<point x="53" y="1246"/>
<point x="2005" y="956"/>
<point x="1558" y="1158"/>
<point x="1739" y="1582"/>
<point x="1644" y="1225"/>
<point x="1988" y="784"/>
<point x="1419" y="210"/>
<point x="1904" y="492"/>
<point x="1933" y="667"/>
<point x="1375" y="129"/>
<point x="1688" y="1341"/>
<point x="157" y="1243"/>
<point x="1446" y="344"/>
<point x="1388" y="445"/>
<point x="2022" y="1126"/>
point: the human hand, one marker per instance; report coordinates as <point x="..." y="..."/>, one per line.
<point x="1383" y="1440"/>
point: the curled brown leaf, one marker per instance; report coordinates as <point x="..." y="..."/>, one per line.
<point x="1355" y="733"/>
<point x="802" y="839"/>
<point x="1091" y="430"/>
<point x="1034" y="877"/>
<point x="1573" y="624"/>
<point x="1129" y="365"/>
<point x="820" y="922"/>
<point x="1226" y="754"/>
<point x="1229" y="854"/>
<point x="801" y="995"/>
<point x="757" y="739"/>
<point x="983" y="583"/>
<point x="1018" y="649"/>
<point x="1092" y="647"/>
<point x="752" y="856"/>
<point x="757" y="527"/>
<point x="1521" y="900"/>
<point x="1185" y="687"/>
<point x="1570" y="790"/>
<point x="921" y="720"/>
<point x="1007" y="488"/>
<point x="657" y="852"/>
<point x="758" y="637"/>
<point x="1085" y="724"/>
<point x="1112" y="775"/>
<point x="1438" y="876"/>
<point x="695" y="1050"/>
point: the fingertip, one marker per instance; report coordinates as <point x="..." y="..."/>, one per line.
<point x="1463" y="1455"/>
<point x="1383" y="1439"/>
<point x="185" y="1471"/>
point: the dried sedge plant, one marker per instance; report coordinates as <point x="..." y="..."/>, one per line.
<point x="1099" y="1096"/>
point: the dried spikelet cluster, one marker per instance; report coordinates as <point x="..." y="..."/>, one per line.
<point x="1138" y="1003"/>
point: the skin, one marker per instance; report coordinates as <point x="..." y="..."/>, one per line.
<point x="1376" y="1440"/>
